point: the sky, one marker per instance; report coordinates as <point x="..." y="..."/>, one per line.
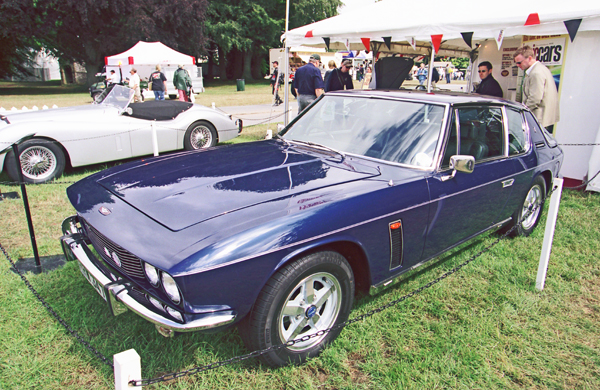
<point x="352" y="4"/>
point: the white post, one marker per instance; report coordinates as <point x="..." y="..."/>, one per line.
<point x="549" y="234"/>
<point x="128" y="367"/>
<point x="213" y="105"/>
<point x="154" y="139"/>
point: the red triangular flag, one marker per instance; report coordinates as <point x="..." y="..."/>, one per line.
<point x="309" y="34"/>
<point x="436" y="40"/>
<point x="367" y="43"/>
<point x="533" y="19"/>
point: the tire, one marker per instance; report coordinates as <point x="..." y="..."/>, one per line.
<point x="95" y="95"/>
<point x="200" y="135"/>
<point x="535" y="197"/>
<point x="41" y="161"/>
<point x="268" y="324"/>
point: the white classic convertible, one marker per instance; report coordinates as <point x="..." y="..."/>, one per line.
<point x="110" y="129"/>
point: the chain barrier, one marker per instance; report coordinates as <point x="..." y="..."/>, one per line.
<point x="56" y="316"/>
<point x="254" y="354"/>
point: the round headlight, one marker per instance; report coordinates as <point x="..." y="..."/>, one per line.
<point x="171" y="288"/>
<point x="151" y="274"/>
<point x="175" y="314"/>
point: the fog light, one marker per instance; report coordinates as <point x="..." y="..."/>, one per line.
<point x="175" y="314"/>
<point x="171" y="288"/>
<point x="151" y="274"/>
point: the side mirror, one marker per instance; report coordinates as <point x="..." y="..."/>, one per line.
<point x="460" y="163"/>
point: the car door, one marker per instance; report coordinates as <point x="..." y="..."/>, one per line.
<point x="470" y="203"/>
<point x="141" y="136"/>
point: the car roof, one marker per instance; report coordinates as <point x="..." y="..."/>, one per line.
<point x="447" y="97"/>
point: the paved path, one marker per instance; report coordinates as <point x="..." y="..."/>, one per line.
<point x="266" y="113"/>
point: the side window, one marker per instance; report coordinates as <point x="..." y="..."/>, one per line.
<point x="517" y="136"/>
<point x="534" y="127"/>
<point x="481" y="132"/>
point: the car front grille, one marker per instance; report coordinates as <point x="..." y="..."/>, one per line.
<point x="131" y="265"/>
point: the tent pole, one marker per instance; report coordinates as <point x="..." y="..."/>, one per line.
<point x="429" y="73"/>
<point x="286" y="67"/>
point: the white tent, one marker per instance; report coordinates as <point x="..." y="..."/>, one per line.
<point x="398" y="23"/>
<point x="144" y="56"/>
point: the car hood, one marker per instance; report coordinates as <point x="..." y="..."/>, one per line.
<point x="184" y="189"/>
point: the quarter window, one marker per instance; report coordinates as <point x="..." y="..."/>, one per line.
<point x="517" y="137"/>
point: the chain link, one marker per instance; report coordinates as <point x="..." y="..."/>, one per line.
<point x="56" y="316"/>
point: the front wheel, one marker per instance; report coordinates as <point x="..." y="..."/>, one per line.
<point x="200" y="135"/>
<point x="304" y="299"/>
<point x="41" y="161"/>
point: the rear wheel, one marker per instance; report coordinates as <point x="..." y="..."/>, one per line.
<point x="200" y="135"/>
<point x="303" y="299"/>
<point x="533" y="201"/>
<point x="41" y="161"/>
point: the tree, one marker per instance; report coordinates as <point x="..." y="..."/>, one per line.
<point x="88" y="30"/>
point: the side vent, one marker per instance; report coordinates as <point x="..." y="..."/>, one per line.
<point x="396" y="244"/>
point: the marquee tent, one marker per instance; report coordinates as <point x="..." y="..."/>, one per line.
<point x="144" y="53"/>
<point x="454" y="29"/>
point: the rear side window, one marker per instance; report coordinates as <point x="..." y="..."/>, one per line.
<point x="517" y="134"/>
<point x="535" y="127"/>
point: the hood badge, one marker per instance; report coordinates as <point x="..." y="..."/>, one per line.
<point x="104" y="211"/>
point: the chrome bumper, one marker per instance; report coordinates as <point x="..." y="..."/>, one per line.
<point x="116" y="294"/>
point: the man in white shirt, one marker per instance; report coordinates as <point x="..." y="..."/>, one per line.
<point x="134" y="83"/>
<point x="113" y="78"/>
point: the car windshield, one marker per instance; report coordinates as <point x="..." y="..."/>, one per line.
<point x="116" y="96"/>
<point x="392" y="130"/>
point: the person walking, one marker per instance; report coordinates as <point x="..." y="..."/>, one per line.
<point x="340" y="78"/>
<point x="422" y="73"/>
<point x="332" y="66"/>
<point x="539" y="91"/>
<point x="183" y="82"/>
<point x="308" y="82"/>
<point x="134" y="83"/>
<point x="158" y="81"/>
<point x="275" y="83"/>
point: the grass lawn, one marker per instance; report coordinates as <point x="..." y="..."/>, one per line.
<point x="485" y="327"/>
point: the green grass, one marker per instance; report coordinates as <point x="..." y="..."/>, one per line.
<point x="485" y="327"/>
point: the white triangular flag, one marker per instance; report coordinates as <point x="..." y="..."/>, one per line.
<point x="499" y="38"/>
<point x="413" y="42"/>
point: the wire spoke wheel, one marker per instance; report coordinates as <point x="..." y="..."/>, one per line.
<point x="38" y="162"/>
<point x="200" y="137"/>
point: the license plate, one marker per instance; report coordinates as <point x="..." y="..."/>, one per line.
<point x="96" y="284"/>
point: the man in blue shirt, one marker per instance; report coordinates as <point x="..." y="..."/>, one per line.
<point x="308" y="82"/>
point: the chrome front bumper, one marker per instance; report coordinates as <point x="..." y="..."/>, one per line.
<point x="116" y="293"/>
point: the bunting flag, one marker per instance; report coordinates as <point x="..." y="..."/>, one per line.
<point x="326" y="39"/>
<point x="413" y="42"/>
<point x="500" y="38"/>
<point x="436" y="41"/>
<point x="347" y="43"/>
<point x="388" y="42"/>
<point x="308" y="34"/>
<point x="468" y="38"/>
<point x="367" y="43"/>
<point x="572" y="27"/>
<point x="532" y="19"/>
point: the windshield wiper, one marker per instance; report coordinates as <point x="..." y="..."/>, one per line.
<point x="319" y="146"/>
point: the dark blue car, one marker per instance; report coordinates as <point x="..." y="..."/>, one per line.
<point x="279" y="235"/>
